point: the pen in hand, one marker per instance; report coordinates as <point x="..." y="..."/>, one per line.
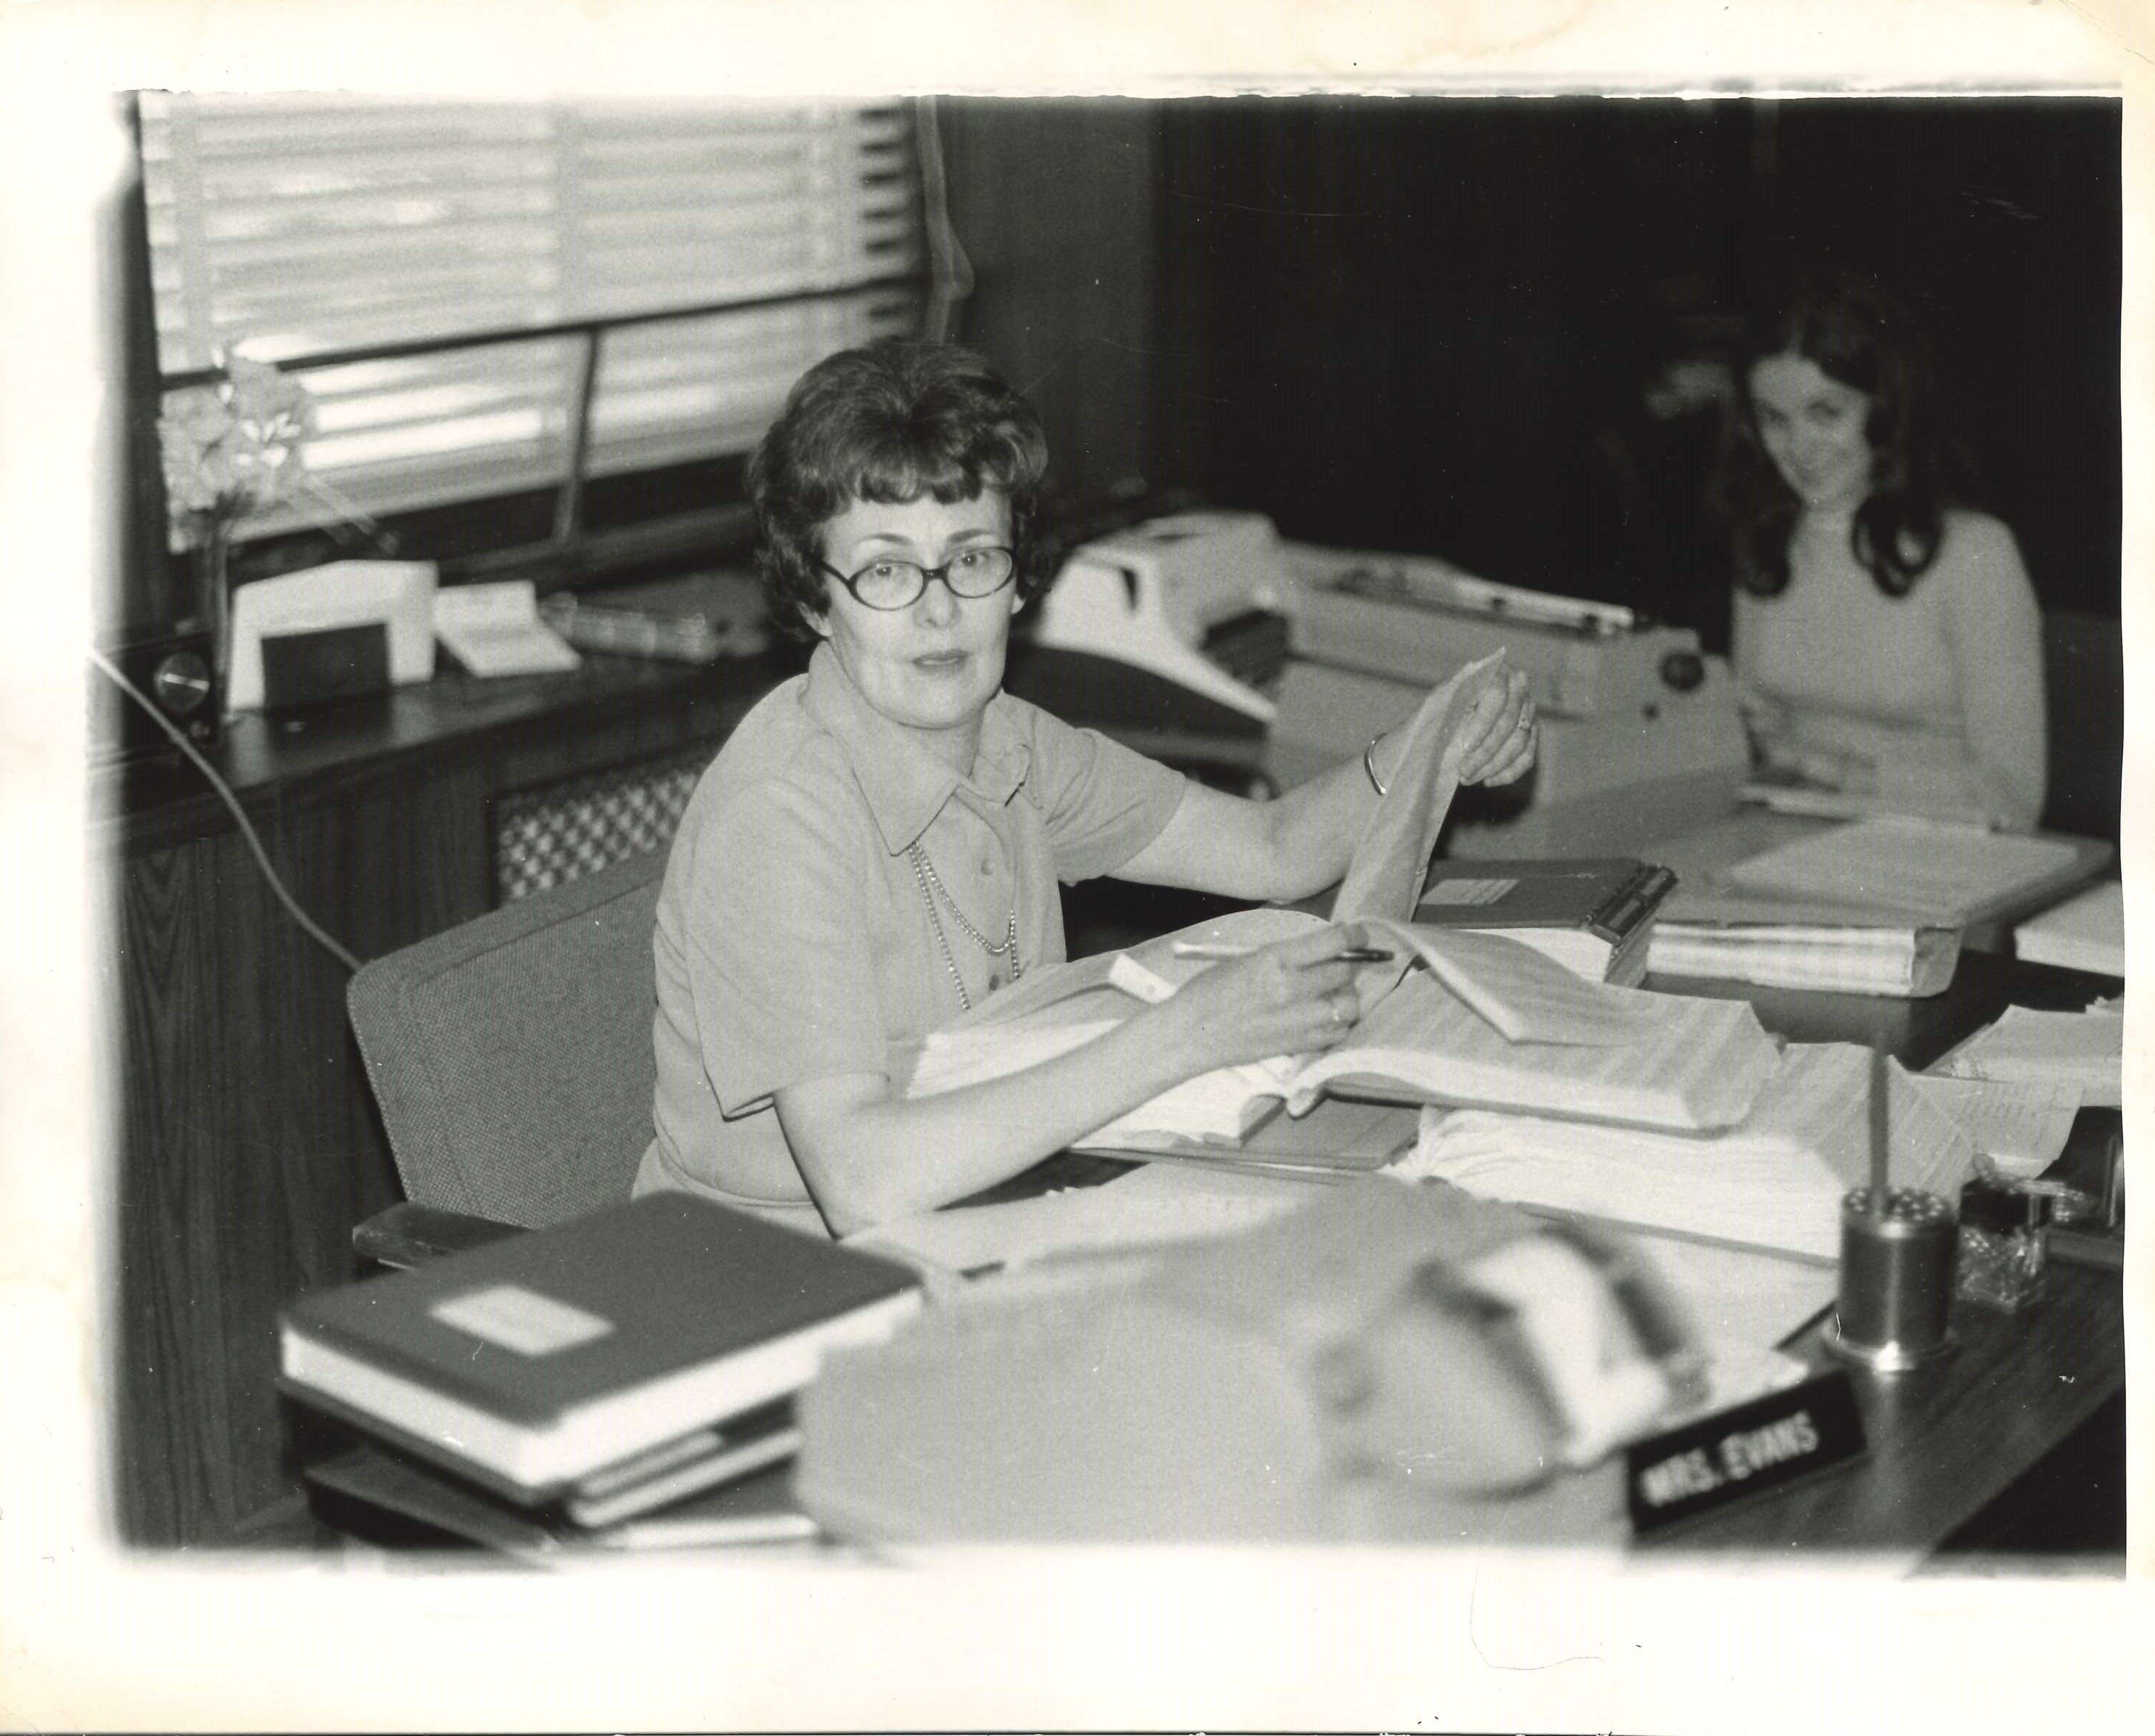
<point x="1230" y="949"/>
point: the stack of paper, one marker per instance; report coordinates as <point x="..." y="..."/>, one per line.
<point x="2084" y="1049"/>
<point x="1775" y="1181"/>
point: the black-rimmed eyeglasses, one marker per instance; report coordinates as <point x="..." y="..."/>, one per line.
<point x="900" y="584"/>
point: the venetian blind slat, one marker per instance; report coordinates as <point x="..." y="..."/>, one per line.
<point x="298" y="225"/>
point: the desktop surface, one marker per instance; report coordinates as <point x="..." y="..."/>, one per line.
<point x="1945" y="1442"/>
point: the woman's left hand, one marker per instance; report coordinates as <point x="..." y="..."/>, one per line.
<point x="1500" y="736"/>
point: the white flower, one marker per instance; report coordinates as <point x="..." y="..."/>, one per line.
<point x="236" y="446"/>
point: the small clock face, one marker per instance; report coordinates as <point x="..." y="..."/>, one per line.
<point x="181" y="683"/>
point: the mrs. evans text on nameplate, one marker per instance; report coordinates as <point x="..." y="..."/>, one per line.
<point x="1706" y="1464"/>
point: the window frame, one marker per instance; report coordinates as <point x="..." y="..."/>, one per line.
<point x="494" y="536"/>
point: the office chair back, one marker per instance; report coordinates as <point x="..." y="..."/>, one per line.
<point x="511" y="1055"/>
<point x="2083" y="676"/>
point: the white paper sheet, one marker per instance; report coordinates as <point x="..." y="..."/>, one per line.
<point x="1774" y="1182"/>
<point x="2021" y="1126"/>
<point x="2085" y="1050"/>
<point x="1521" y="991"/>
<point x="495" y="629"/>
<point x="1158" y="1204"/>
<point x="1691" y="1062"/>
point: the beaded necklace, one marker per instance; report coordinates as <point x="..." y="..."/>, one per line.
<point x="931" y="884"/>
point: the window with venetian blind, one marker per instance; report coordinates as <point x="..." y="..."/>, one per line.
<point x="485" y="298"/>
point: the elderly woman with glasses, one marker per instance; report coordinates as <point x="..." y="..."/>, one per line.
<point x="877" y="850"/>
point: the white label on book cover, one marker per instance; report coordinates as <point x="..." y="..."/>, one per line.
<point x="521" y="1320"/>
<point x="1468" y="891"/>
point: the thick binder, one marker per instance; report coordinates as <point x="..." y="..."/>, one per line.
<point x="529" y="1363"/>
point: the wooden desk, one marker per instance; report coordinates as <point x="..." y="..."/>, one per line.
<point x="1944" y="1443"/>
<point x="1947" y="1441"/>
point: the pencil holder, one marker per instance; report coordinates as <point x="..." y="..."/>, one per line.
<point x="1896" y="1281"/>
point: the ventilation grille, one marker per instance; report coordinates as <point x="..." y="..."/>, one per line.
<point x="555" y="832"/>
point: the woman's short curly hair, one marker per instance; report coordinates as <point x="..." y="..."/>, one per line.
<point x="892" y="421"/>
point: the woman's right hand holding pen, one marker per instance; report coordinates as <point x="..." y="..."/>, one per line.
<point x="1295" y="997"/>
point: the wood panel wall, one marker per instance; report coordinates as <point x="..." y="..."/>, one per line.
<point x="1054" y="204"/>
<point x="248" y="1141"/>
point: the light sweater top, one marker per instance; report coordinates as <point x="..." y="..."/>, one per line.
<point x="1941" y="691"/>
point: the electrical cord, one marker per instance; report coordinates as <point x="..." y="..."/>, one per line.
<point x="313" y="929"/>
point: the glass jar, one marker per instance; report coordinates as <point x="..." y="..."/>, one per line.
<point x="2002" y="1233"/>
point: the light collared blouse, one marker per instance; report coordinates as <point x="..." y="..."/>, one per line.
<point x="794" y="942"/>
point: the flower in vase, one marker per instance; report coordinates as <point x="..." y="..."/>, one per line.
<point x="234" y="445"/>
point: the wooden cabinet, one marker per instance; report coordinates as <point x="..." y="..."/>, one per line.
<point x="249" y="1140"/>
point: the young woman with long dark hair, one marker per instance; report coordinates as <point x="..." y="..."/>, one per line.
<point x="1886" y="637"/>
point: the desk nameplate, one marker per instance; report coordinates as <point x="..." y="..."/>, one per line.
<point x="1705" y="1465"/>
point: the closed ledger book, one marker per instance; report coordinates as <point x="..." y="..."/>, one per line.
<point x="529" y="1364"/>
<point x="2084" y="933"/>
<point x="1936" y="871"/>
<point x="1592" y="914"/>
<point x="1907" y="960"/>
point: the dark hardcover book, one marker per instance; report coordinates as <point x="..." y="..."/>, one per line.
<point x="530" y="1363"/>
<point x="1607" y="896"/>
